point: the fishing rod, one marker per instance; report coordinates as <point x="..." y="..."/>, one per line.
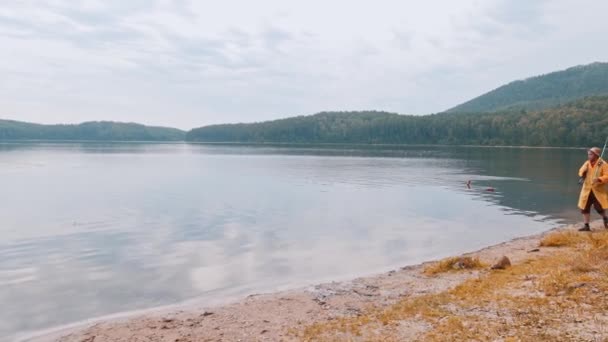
<point x="597" y="169"/>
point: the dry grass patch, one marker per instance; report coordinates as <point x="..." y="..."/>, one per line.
<point x="584" y="263"/>
<point x="564" y="238"/>
<point x="454" y="263"/>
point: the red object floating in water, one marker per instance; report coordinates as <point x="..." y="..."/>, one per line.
<point x="490" y="189"/>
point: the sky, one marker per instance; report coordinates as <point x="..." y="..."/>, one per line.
<point x="192" y="63"/>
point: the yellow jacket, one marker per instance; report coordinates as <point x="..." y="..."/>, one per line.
<point x="599" y="190"/>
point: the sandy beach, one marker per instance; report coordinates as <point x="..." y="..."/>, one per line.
<point x="357" y="309"/>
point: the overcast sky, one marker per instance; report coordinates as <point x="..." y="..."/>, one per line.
<point x="192" y="63"/>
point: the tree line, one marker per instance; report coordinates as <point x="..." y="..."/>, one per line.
<point x="580" y="123"/>
<point x="103" y="130"/>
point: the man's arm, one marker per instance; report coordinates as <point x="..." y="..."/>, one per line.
<point x="603" y="174"/>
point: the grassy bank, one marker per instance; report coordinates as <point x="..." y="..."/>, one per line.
<point x="560" y="295"/>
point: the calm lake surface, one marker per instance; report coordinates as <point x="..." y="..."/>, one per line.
<point x="93" y="229"/>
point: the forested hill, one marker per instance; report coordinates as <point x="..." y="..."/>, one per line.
<point x="339" y="127"/>
<point x="102" y="130"/>
<point x="543" y="91"/>
<point x="579" y="123"/>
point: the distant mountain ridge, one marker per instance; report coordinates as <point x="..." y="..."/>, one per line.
<point x="542" y="91"/>
<point x="564" y="108"/>
<point x="94" y="130"/>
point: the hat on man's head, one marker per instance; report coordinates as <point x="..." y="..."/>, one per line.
<point x="595" y="150"/>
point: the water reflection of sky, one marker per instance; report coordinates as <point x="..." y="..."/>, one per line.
<point x="94" y="229"/>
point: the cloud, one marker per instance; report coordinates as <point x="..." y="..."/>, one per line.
<point x="404" y="39"/>
<point x="189" y="63"/>
<point x="274" y="37"/>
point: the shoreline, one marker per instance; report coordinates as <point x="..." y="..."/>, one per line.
<point x="281" y="144"/>
<point x="272" y="315"/>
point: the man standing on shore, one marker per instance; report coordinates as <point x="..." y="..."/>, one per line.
<point x="595" y="176"/>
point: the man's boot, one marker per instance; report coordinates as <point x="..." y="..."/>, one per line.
<point x="585" y="228"/>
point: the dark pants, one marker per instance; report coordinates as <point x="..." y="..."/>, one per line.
<point x="591" y="200"/>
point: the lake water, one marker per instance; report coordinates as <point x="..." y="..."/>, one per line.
<point x="93" y="229"/>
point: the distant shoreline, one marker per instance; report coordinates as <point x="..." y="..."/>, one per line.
<point x="174" y="142"/>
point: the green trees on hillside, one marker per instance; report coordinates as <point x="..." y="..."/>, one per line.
<point x="580" y="123"/>
<point x="543" y="91"/>
<point x="15" y="130"/>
